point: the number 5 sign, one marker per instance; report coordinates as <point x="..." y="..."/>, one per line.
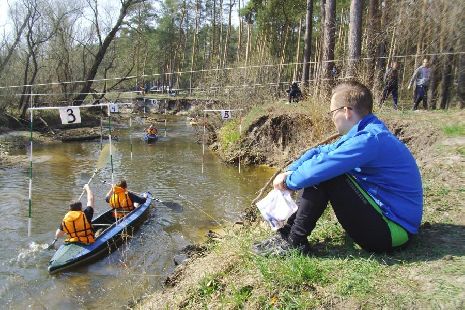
<point x="70" y="115"/>
<point x="226" y="114"/>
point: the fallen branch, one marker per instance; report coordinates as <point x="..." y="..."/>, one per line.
<point x="46" y="125"/>
<point x="260" y="193"/>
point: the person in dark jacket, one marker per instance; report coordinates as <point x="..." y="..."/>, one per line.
<point x="370" y="178"/>
<point x="391" y="84"/>
<point x="294" y="92"/>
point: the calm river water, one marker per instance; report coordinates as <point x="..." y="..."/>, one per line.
<point x="170" y="169"/>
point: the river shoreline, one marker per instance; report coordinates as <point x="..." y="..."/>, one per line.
<point x="215" y="278"/>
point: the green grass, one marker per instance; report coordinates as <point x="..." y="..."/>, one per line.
<point x="208" y="286"/>
<point x="455" y="130"/>
<point x="229" y="134"/>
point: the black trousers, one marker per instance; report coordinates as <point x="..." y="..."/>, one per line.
<point x="420" y="94"/>
<point x="358" y="218"/>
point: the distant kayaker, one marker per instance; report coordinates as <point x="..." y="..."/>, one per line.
<point x="368" y="176"/>
<point x="123" y="200"/>
<point x="77" y="223"/>
<point x="151" y="130"/>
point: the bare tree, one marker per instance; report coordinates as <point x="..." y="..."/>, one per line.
<point x="461" y="76"/>
<point x="446" y="81"/>
<point x="308" y="43"/>
<point x="39" y="31"/>
<point x="231" y="4"/>
<point x="329" y="40"/>
<point x="19" y="28"/>
<point x="373" y="47"/>
<point x="355" y="35"/>
<point x="194" y="42"/>
<point x="103" y="46"/>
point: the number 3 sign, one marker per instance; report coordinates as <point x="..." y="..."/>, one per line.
<point x="70" y="115"/>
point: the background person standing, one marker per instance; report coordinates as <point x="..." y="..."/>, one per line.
<point x="391" y="84"/>
<point x="421" y="79"/>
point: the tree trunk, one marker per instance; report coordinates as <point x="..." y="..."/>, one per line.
<point x="372" y="38"/>
<point x="355" y="36"/>
<point x="239" y="35"/>
<point x="297" y="55"/>
<point x="461" y="77"/>
<point x="307" y="44"/>
<point x="194" y="42"/>
<point x="18" y="35"/>
<point x="434" y="82"/>
<point x="101" y="52"/>
<point x="212" y="46"/>
<point x="228" y="33"/>
<point x="247" y="48"/>
<point x="283" y="55"/>
<point x="446" y="81"/>
<point x="328" y="43"/>
<point x="421" y="31"/>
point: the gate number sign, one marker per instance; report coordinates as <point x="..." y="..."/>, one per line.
<point x="226" y="114"/>
<point x="70" y="115"/>
<point x="113" y="108"/>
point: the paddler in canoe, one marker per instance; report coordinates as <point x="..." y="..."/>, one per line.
<point x="76" y="223"/>
<point x="151" y="130"/>
<point x="122" y="200"/>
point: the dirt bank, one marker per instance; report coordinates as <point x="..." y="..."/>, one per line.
<point x="339" y="275"/>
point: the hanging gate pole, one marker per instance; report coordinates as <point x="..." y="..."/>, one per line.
<point x="130" y="133"/>
<point x="29" y="220"/>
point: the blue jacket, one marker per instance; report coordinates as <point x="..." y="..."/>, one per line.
<point x="381" y="164"/>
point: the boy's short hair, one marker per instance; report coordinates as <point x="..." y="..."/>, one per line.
<point x="122" y="184"/>
<point x="75" y="206"/>
<point x="355" y="95"/>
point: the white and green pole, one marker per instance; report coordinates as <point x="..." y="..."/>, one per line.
<point x="29" y="220"/>
<point x="111" y="153"/>
<point x="109" y="141"/>
<point x="240" y="133"/>
<point x="101" y="133"/>
<point x="130" y="133"/>
<point x="203" y="138"/>
<point x="165" y="127"/>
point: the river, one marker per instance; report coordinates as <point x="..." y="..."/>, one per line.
<point x="171" y="170"/>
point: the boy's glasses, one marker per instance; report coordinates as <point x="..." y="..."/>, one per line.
<point x="331" y="113"/>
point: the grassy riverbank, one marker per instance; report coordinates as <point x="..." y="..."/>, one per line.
<point x="429" y="274"/>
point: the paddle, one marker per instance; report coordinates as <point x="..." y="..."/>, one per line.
<point x="101" y="162"/>
<point x="52" y="245"/>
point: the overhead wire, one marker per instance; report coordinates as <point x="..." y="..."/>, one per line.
<point x="224" y="69"/>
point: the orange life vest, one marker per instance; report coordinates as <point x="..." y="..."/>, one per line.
<point x="152" y="131"/>
<point x="77" y="227"/>
<point x="120" y="201"/>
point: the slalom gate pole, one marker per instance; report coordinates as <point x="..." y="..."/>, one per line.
<point x="130" y="133"/>
<point x="240" y="133"/>
<point x="101" y="133"/>
<point x="29" y="220"/>
<point x="111" y="153"/>
<point x="110" y="142"/>
<point x="203" y="138"/>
